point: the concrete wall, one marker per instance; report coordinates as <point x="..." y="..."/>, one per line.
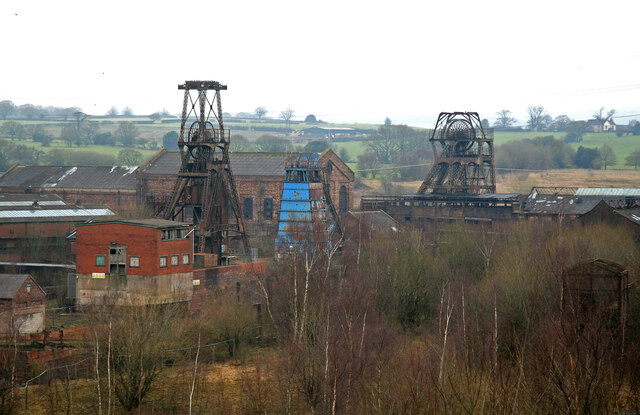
<point x="134" y="289"/>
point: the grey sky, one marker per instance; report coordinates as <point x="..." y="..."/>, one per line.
<point x="341" y="60"/>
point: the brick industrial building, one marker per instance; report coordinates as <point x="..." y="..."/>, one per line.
<point x="258" y="177"/>
<point x="34" y="227"/>
<point x="146" y="261"/>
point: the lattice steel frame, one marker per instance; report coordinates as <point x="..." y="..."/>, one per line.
<point x="463" y="156"/>
<point x="205" y="182"/>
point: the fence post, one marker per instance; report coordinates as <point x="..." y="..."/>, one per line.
<point x="233" y="348"/>
<point x="213" y="354"/>
<point x="26" y="397"/>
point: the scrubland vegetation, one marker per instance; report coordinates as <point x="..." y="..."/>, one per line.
<point x="392" y="323"/>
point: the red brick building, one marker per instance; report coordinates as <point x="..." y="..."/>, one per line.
<point x="146" y="261"/>
<point x="258" y="177"/>
<point x="34" y="227"/>
<point x="22" y="305"/>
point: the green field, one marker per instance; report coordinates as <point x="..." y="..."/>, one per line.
<point x="154" y="132"/>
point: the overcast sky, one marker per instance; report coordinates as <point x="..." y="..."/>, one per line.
<point x="344" y="61"/>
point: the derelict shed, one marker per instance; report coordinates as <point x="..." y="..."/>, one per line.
<point x="22" y="304"/>
<point x="597" y="283"/>
<point x="114" y="186"/>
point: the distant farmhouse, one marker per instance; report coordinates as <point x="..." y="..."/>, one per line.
<point x="598" y="126"/>
<point x="331" y="133"/>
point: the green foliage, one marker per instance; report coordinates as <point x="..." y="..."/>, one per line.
<point x="587" y="158"/>
<point x="576" y="131"/>
<point x="310" y="119"/>
<point x="129" y="157"/>
<point x="170" y="141"/>
<point x="239" y="143"/>
<point x="126" y="133"/>
<point x="13" y="130"/>
<point x="368" y="162"/>
<point x="538" y="153"/>
<point x="317" y="146"/>
<point x="272" y="143"/>
<point x="390" y="141"/>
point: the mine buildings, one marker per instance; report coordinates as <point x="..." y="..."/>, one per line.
<point x="146" y="261"/>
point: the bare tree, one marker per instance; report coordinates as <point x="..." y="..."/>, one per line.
<point x="633" y="159"/>
<point x="607" y="155"/>
<point x="539" y="119"/>
<point x="287" y="115"/>
<point x="260" y="112"/>
<point x="504" y="119"/>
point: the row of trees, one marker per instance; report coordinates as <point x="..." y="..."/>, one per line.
<point x="11" y="153"/>
<point x="538" y="119"/>
<point x="544" y="153"/>
<point x="81" y="133"/>
<point x="29" y="111"/>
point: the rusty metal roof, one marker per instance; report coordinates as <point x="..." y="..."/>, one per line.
<point x="242" y="164"/>
<point x="70" y="177"/>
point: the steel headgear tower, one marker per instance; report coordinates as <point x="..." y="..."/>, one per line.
<point x="205" y="190"/>
<point x="463" y="156"/>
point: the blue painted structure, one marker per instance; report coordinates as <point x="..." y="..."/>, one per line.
<point x="302" y="223"/>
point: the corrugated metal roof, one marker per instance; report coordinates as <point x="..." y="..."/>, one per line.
<point x="54" y="213"/>
<point x="607" y="191"/>
<point x="30" y="203"/>
<point x="68" y="177"/>
<point x="10" y="284"/>
<point x="242" y="164"/>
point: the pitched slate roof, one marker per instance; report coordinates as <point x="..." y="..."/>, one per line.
<point x="10" y="284"/>
<point x="242" y="164"/>
<point x="68" y="177"/>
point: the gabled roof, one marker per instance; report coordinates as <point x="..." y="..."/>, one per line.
<point x="70" y="177"/>
<point x="11" y="283"/>
<point x="242" y="164"/>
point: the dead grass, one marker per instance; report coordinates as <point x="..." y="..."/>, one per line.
<point x="522" y="182"/>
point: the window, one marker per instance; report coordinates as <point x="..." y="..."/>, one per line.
<point x="268" y="208"/>
<point x="134" y="261"/>
<point x="185" y="259"/>
<point x="343" y="200"/>
<point x="163" y="261"/>
<point x="174" y="260"/>
<point x="172" y="234"/>
<point x="329" y="168"/>
<point x="100" y="260"/>
<point x="248" y="208"/>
